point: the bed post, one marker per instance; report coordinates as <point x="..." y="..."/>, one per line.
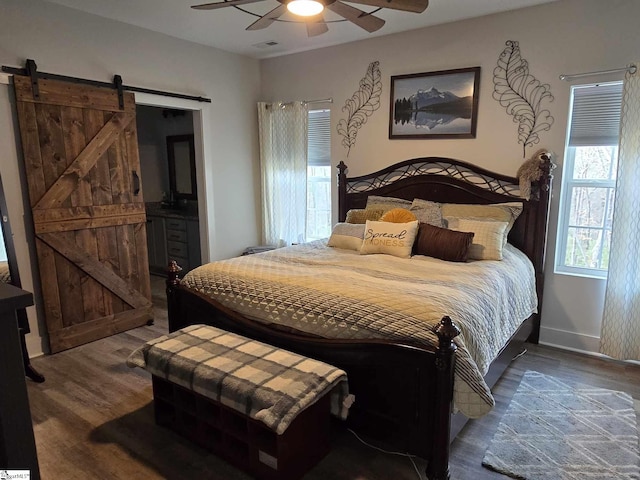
<point x="342" y="192"/>
<point x="172" y="283"/>
<point x="542" y="216"/>
<point x="438" y="466"/>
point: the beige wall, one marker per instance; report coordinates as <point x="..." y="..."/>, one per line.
<point x="68" y="42"/>
<point x="568" y="36"/>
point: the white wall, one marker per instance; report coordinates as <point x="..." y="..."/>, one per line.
<point x="568" y="36"/>
<point x="68" y="42"/>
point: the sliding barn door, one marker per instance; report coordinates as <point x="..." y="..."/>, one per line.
<point x="81" y="161"/>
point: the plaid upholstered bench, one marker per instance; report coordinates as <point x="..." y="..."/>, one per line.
<point x="263" y="409"/>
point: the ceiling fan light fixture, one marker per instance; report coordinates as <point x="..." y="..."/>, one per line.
<point x="305" y="8"/>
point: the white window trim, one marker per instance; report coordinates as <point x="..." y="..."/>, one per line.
<point x="590" y="129"/>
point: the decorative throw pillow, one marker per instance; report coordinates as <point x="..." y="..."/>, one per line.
<point x="502" y="212"/>
<point x="348" y="236"/>
<point x="390" y="238"/>
<point x="442" y="243"/>
<point x="398" y="215"/>
<point x="377" y="202"/>
<point x="362" y="215"/>
<point x="488" y="238"/>
<point x="427" y="212"/>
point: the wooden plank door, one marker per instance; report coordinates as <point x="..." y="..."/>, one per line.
<point x="82" y="165"/>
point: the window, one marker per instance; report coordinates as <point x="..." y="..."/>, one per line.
<point x="319" y="175"/>
<point x="589" y="180"/>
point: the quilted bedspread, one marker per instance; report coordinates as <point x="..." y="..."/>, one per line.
<point x="5" y="276"/>
<point x="339" y="293"/>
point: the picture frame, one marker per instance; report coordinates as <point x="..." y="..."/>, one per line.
<point x="432" y="105"/>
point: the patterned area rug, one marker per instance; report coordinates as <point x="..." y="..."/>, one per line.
<point x="552" y="430"/>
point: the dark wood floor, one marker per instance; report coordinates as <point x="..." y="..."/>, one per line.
<point x="93" y="418"/>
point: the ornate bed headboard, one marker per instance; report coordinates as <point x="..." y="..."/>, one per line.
<point x="446" y="180"/>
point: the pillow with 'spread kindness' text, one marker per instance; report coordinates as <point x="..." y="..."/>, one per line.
<point x="389" y="238"/>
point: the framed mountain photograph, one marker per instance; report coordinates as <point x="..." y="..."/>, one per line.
<point x="441" y="104"/>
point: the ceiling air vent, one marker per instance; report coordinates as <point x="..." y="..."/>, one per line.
<point x="267" y="44"/>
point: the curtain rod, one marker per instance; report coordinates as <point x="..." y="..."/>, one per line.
<point x="306" y="102"/>
<point x="322" y="100"/>
<point x="631" y="69"/>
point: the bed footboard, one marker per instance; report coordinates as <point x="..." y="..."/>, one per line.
<point x="404" y="394"/>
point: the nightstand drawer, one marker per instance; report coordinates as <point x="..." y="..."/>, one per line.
<point x="177" y="249"/>
<point x="177" y="236"/>
<point x="176" y="224"/>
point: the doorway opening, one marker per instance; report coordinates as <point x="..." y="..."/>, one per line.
<point x="179" y="230"/>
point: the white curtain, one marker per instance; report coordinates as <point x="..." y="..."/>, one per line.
<point x="620" y="336"/>
<point x="283" y="162"/>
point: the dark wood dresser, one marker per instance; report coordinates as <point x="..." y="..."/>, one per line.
<point x="17" y="443"/>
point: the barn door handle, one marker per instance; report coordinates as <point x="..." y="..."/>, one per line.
<point x="136" y="182"/>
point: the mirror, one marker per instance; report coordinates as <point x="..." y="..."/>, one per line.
<point x="182" y="166"/>
<point x="9" y="274"/>
<point x="5" y="273"/>
<point x="8" y="264"/>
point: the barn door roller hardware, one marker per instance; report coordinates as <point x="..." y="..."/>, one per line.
<point x="31" y="70"/>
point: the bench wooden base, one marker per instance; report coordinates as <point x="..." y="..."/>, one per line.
<point x="240" y="440"/>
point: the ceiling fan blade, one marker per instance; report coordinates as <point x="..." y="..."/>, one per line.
<point x="229" y="3"/>
<point x="268" y="18"/>
<point x="416" y="6"/>
<point x="316" y="25"/>
<point x="362" y="19"/>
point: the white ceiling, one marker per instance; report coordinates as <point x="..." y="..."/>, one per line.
<point x="225" y="28"/>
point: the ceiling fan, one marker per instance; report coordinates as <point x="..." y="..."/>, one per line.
<point x="311" y="11"/>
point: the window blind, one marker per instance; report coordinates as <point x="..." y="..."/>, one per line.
<point x="595" y="119"/>
<point x="319" y="139"/>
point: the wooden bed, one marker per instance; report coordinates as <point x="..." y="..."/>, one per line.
<point x="411" y="410"/>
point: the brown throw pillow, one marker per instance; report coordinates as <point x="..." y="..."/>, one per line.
<point x="442" y="243"/>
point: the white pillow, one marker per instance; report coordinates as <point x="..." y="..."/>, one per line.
<point x="390" y="238"/>
<point x="488" y="238"/>
<point x="347" y="236"/>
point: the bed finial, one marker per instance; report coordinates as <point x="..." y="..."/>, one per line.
<point x="172" y="273"/>
<point x="446" y="331"/>
<point x="547" y="166"/>
<point x="342" y="191"/>
<point x="536" y="169"/>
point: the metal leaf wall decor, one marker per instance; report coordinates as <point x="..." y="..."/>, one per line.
<point x="521" y="94"/>
<point x="361" y="105"/>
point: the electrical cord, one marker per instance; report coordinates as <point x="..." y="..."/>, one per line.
<point x="520" y="354"/>
<point x="408" y="455"/>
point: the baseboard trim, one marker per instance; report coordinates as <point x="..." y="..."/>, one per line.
<point x="575" y="342"/>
